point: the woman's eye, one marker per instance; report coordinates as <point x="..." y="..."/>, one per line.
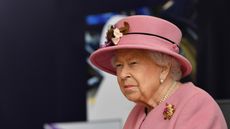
<point x="118" y="65"/>
<point x="133" y="62"/>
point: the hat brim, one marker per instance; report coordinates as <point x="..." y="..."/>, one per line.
<point x="102" y="57"/>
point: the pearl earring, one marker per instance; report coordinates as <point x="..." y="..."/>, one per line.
<point x="161" y="81"/>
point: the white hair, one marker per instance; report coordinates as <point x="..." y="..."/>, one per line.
<point x="164" y="59"/>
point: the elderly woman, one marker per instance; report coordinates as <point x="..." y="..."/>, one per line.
<point x="143" y="52"/>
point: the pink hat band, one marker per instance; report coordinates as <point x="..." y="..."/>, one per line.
<point x="152" y="35"/>
<point x="127" y="40"/>
<point x="141" y="32"/>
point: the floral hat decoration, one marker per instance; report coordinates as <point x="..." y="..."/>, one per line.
<point x="114" y="34"/>
<point x="140" y="32"/>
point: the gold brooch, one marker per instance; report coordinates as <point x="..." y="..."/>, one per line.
<point x="169" y="111"/>
<point x="114" y="34"/>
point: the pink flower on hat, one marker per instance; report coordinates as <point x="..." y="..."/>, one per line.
<point x="117" y="34"/>
<point x="114" y="34"/>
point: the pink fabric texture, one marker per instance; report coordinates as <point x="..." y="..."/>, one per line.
<point x="194" y="109"/>
<point x="101" y="58"/>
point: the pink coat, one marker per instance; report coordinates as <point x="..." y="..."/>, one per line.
<point x="194" y="109"/>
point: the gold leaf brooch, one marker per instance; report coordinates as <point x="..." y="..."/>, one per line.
<point x="169" y="111"/>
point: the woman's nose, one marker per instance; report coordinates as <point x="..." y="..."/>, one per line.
<point x="125" y="73"/>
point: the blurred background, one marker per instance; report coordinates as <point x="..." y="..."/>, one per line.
<point x="45" y="75"/>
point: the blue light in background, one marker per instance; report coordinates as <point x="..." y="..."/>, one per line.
<point x="98" y="19"/>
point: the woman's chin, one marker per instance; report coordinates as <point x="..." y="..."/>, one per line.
<point x="132" y="97"/>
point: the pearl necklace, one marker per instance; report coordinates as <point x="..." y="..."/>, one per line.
<point x="167" y="93"/>
<point x="165" y="96"/>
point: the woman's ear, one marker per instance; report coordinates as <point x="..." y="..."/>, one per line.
<point x="165" y="71"/>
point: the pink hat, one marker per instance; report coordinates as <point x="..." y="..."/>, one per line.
<point x="141" y="32"/>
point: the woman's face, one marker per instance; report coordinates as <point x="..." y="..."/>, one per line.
<point x="137" y="75"/>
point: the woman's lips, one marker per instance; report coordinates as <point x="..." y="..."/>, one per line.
<point x="128" y="86"/>
<point x="129" y="89"/>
